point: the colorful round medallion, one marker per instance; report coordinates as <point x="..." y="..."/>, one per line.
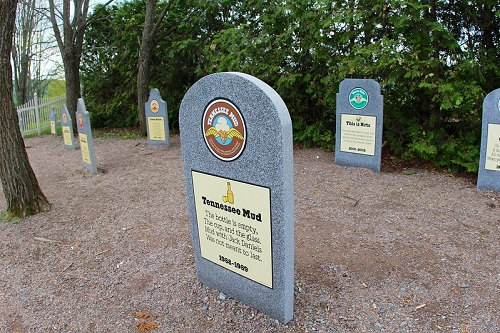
<point x="358" y="97"/>
<point x="224" y="130"/>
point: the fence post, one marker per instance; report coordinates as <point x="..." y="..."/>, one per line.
<point x="37" y="115"/>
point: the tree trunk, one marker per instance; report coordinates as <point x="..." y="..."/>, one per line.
<point x="20" y="186"/>
<point x="145" y="54"/>
<point x="145" y="63"/>
<point x="72" y="74"/>
<point x="489" y="27"/>
<point x="23" y="89"/>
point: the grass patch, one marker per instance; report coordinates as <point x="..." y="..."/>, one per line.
<point x="32" y="135"/>
<point x="6" y="217"/>
<point x="119" y="133"/>
<point x="43" y="132"/>
<point x="103" y="133"/>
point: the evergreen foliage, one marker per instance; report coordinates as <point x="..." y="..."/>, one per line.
<point x="436" y="60"/>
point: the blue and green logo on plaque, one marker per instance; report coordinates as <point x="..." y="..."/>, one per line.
<point x="358" y="98"/>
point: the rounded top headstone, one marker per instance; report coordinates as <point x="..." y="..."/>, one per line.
<point x="232" y="115"/>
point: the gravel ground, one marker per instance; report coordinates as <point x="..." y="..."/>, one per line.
<point x="404" y="250"/>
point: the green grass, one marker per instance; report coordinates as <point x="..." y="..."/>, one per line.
<point x="6" y="217"/>
<point x="32" y="127"/>
<point x="45" y="131"/>
<point x="119" y="133"/>
<point x="130" y="135"/>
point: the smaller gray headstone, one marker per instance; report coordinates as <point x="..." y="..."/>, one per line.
<point x="359" y="124"/>
<point x="157" y="119"/>
<point x="53" y="122"/>
<point x="85" y="136"/>
<point x="489" y="161"/>
<point x="67" y="129"/>
<point x="21" y="126"/>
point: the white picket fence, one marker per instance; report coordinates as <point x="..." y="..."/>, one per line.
<point x="34" y="116"/>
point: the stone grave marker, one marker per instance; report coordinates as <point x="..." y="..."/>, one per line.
<point x="359" y="124"/>
<point x="53" y="122"/>
<point x="489" y="160"/>
<point x="157" y="120"/>
<point x="85" y="136"/>
<point x="67" y="129"/>
<point x="236" y="138"/>
<point x="21" y="126"/>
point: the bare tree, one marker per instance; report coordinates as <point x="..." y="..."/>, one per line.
<point x="151" y="26"/>
<point x="20" y="186"/>
<point x="70" y="42"/>
<point x="22" y="49"/>
<point x="31" y="48"/>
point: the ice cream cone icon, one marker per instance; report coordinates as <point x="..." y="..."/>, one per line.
<point x="223" y="131"/>
<point x="223" y="128"/>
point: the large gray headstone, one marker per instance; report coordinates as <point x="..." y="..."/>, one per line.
<point x="85" y="136"/>
<point x="359" y="124"/>
<point x="157" y="120"/>
<point x="67" y="129"/>
<point x="236" y="138"/>
<point x="489" y="161"/>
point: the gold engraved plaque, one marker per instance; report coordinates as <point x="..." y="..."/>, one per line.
<point x="358" y="134"/>
<point x="493" y="148"/>
<point x="234" y="225"/>
<point x="156" y="127"/>
<point x="84" y="146"/>
<point x="67" y="135"/>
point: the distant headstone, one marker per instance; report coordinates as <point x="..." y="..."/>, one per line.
<point x="236" y="138"/>
<point x="85" y="136"/>
<point x="67" y="129"/>
<point x="53" y="122"/>
<point x="489" y="161"/>
<point x="359" y="124"/>
<point x="21" y="125"/>
<point x="157" y="120"/>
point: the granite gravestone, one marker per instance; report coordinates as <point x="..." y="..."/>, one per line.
<point x="489" y="160"/>
<point x="359" y="124"/>
<point x="67" y="129"/>
<point x="53" y="122"/>
<point x="236" y="138"/>
<point x="21" y="125"/>
<point x="157" y="119"/>
<point x="85" y="136"/>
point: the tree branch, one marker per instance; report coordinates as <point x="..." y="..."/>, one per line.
<point x="96" y="12"/>
<point x="55" y="27"/>
<point x="164" y="12"/>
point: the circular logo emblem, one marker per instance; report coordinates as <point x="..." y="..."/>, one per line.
<point x="358" y="98"/>
<point x="80" y="120"/>
<point x="64" y="118"/>
<point x="224" y="130"/>
<point x="154" y="106"/>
